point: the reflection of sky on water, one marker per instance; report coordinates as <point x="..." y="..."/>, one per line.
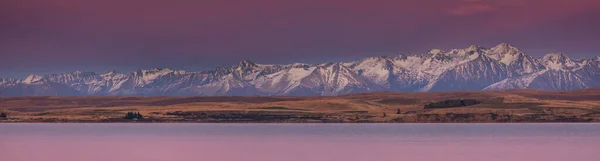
<point x="300" y="142"/>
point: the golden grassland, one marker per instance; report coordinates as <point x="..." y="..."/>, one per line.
<point x="496" y="106"/>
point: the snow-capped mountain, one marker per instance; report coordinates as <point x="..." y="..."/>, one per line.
<point x="473" y="68"/>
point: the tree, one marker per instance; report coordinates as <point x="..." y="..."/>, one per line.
<point x="384" y="115"/>
<point x="3" y="115"/>
<point x="452" y="103"/>
<point x="129" y="115"/>
<point x="398" y="111"/>
<point x="139" y="116"/>
<point x="132" y="115"/>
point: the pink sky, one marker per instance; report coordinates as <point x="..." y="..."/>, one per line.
<point x="57" y="35"/>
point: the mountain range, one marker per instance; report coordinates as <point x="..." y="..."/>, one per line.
<point x="473" y="68"/>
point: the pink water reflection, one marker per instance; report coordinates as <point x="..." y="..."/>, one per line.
<point x="255" y="147"/>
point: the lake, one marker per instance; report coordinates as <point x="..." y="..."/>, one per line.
<point x="299" y="142"/>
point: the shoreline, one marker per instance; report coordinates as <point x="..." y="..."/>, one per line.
<point x="515" y="106"/>
<point x="292" y="122"/>
<point x="298" y="123"/>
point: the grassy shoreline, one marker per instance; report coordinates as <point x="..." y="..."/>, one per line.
<point x="514" y="106"/>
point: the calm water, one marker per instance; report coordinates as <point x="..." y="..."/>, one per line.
<point x="299" y="142"/>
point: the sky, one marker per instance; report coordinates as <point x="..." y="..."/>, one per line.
<point x="54" y="36"/>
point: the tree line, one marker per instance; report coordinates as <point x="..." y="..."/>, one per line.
<point x="452" y="103"/>
<point x="132" y="115"/>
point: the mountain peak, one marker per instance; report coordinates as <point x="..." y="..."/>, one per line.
<point x="79" y="72"/>
<point x="246" y="63"/>
<point x="505" y="53"/>
<point x="435" y="51"/>
<point x="379" y="58"/>
<point x="556" y="57"/>
<point x="505" y="47"/>
<point x="112" y="72"/>
<point x="156" y="70"/>
<point x="471" y="68"/>
<point x="7" y="80"/>
<point x="474" y="48"/>
<point x="32" y="79"/>
<point x="558" y="61"/>
<point x="151" y="72"/>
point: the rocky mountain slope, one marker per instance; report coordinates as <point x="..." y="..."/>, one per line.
<point x="474" y="68"/>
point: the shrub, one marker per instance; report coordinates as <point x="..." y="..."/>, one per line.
<point x="3" y="115"/>
<point x="452" y="103"/>
<point x="131" y="116"/>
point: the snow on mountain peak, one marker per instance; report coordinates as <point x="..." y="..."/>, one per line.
<point x="246" y="64"/>
<point x="4" y="81"/>
<point x="557" y="57"/>
<point x="155" y="71"/>
<point x="299" y="65"/>
<point x="473" y="68"/>
<point x="558" y="61"/>
<point x="7" y="82"/>
<point x="159" y="70"/>
<point x="111" y="72"/>
<point x="505" y="53"/>
<point x="80" y="73"/>
<point x="474" y="48"/>
<point x="435" y="51"/>
<point x="32" y="79"/>
<point x="377" y="69"/>
<point x="505" y="46"/>
<point x="148" y="76"/>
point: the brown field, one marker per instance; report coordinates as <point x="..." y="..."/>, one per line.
<point x="498" y="106"/>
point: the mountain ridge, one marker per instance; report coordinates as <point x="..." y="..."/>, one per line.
<point x="473" y="68"/>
